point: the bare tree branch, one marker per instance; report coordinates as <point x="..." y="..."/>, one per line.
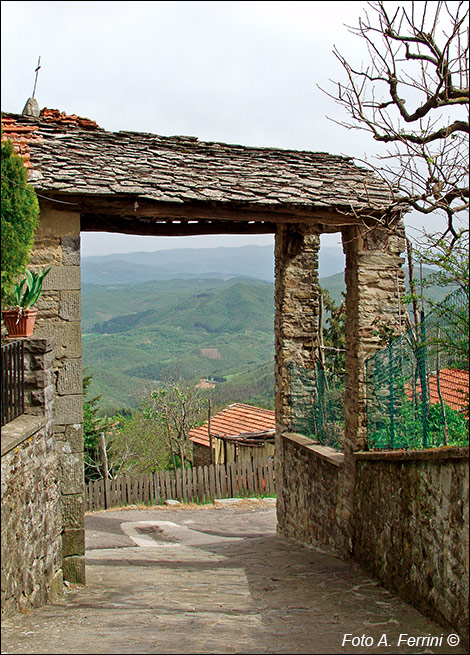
<point x="413" y="95"/>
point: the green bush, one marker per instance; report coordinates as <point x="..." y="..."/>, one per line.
<point x="20" y="217"/>
<point x="409" y="429"/>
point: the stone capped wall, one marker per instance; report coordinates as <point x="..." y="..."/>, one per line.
<point x="31" y="498"/>
<point x="311" y="487"/>
<point x="411" y="528"/>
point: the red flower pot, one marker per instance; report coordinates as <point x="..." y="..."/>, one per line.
<point x="19" y="324"/>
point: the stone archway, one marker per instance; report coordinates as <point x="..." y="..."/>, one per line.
<point x="296" y="309"/>
<point x="145" y="184"/>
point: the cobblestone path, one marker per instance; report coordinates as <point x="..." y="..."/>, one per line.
<point x="215" y="579"/>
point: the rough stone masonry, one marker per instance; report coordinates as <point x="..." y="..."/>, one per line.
<point x="31" y="504"/>
<point x="57" y="244"/>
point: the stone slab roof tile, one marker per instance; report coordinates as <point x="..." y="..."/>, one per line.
<point x="183" y="169"/>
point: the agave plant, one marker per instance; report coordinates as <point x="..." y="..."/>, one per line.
<point x="29" y="290"/>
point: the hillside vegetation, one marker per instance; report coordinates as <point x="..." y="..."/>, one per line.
<point x="136" y="336"/>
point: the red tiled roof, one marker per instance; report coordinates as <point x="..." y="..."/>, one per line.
<point x="454" y="388"/>
<point x="22" y="135"/>
<point x="235" y="420"/>
<point x="60" y="117"/>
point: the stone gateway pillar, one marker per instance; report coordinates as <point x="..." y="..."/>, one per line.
<point x="57" y="244"/>
<point x="374" y="286"/>
<point x="295" y="323"/>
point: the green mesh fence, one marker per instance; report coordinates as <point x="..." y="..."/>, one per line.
<point x="417" y="386"/>
<point x="317" y="405"/>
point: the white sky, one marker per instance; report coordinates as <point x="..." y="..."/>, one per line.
<point x="238" y="72"/>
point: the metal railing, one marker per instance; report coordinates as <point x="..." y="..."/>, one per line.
<point x="12" y="381"/>
<point x="317" y="405"/>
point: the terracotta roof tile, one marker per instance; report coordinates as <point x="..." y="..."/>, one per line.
<point x="454" y="388"/>
<point x="235" y="420"/>
<point x="60" y="117"/>
<point x="21" y="136"/>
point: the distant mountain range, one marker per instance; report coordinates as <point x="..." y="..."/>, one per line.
<point x="195" y="263"/>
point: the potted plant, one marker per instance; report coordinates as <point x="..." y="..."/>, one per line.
<point x="19" y="321"/>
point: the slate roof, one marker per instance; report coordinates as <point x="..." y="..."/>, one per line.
<point x="72" y="155"/>
<point x="235" y="420"/>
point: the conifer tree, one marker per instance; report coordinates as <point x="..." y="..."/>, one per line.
<point x="20" y="217"/>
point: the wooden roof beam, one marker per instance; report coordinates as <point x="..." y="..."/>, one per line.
<point x="100" y="223"/>
<point x="99" y="209"/>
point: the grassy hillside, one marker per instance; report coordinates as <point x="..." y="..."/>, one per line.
<point x="189" y="329"/>
<point x="136" y="336"/>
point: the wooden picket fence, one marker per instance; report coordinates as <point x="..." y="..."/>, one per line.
<point x="199" y="484"/>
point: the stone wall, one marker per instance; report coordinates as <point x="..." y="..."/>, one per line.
<point x="411" y="528"/>
<point x="411" y="519"/>
<point x="57" y="244"/>
<point x="31" y="502"/>
<point x="311" y="486"/>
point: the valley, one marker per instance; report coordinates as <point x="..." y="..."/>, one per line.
<point x="135" y="336"/>
<point x="138" y="334"/>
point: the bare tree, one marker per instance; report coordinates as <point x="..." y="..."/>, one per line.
<point x="413" y="95"/>
<point x="176" y="408"/>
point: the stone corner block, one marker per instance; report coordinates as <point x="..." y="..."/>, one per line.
<point x="57" y="222"/>
<point x="73" y="569"/>
<point x="56" y="586"/>
<point x="70" y="305"/>
<point x="72" y="477"/>
<point x="70" y="437"/>
<point x="73" y="542"/>
<point x="61" y="278"/>
<point x="70" y="250"/>
<point x="73" y="513"/>
<point x="69" y="378"/>
<point x="67" y="337"/>
<point x="69" y="409"/>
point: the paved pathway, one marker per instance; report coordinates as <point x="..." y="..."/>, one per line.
<point x="215" y="580"/>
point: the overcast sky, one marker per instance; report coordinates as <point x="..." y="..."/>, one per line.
<point x="237" y="72"/>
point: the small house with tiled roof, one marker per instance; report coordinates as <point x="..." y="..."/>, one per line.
<point x="238" y="433"/>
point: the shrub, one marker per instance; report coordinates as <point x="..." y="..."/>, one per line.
<point x="20" y="217"/>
